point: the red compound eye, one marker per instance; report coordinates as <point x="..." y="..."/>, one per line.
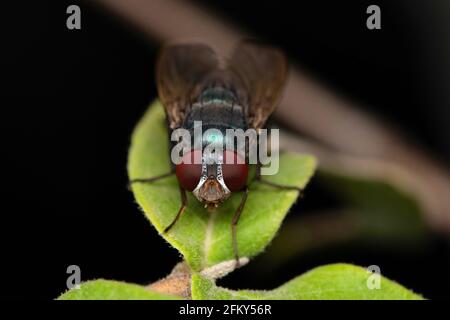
<point x="234" y="171"/>
<point x="189" y="172"/>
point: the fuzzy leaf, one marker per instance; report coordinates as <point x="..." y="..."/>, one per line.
<point x="204" y="238"/>
<point x="331" y="282"/>
<point x="113" y="290"/>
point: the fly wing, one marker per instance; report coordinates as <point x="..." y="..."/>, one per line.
<point x="179" y="71"/>
<point x="263" y="72"/>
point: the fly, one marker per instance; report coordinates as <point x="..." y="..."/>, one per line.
<point x="195" y="84"/>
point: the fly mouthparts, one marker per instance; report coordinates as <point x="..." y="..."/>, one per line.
<point x="211" y="206"/>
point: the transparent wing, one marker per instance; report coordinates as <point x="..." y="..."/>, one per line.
<point x="180" y="70"/>
<point x="263" y="72"/>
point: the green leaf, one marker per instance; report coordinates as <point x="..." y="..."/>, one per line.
<point x="331" y="282"/>
<point x="113" y="290"/>
<point x="385" y="212"/>
<point x="204" y="238"/>
<point x="375" y="212"/>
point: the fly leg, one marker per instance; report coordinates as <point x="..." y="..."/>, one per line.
<point x="272" y="184"/>
<point x="180" y="211"/>
<point x="152" y="179"/>
<point x="182" y="194"/>
<point x="234" y="223"/>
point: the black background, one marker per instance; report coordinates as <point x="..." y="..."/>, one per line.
<point x="70" y="100"/>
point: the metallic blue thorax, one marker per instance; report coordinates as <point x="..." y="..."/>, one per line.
<point x="216" y="108"/>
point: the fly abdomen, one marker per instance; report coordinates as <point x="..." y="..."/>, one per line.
<point x="217" y="95"/>
<point x="217" y="107"/>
